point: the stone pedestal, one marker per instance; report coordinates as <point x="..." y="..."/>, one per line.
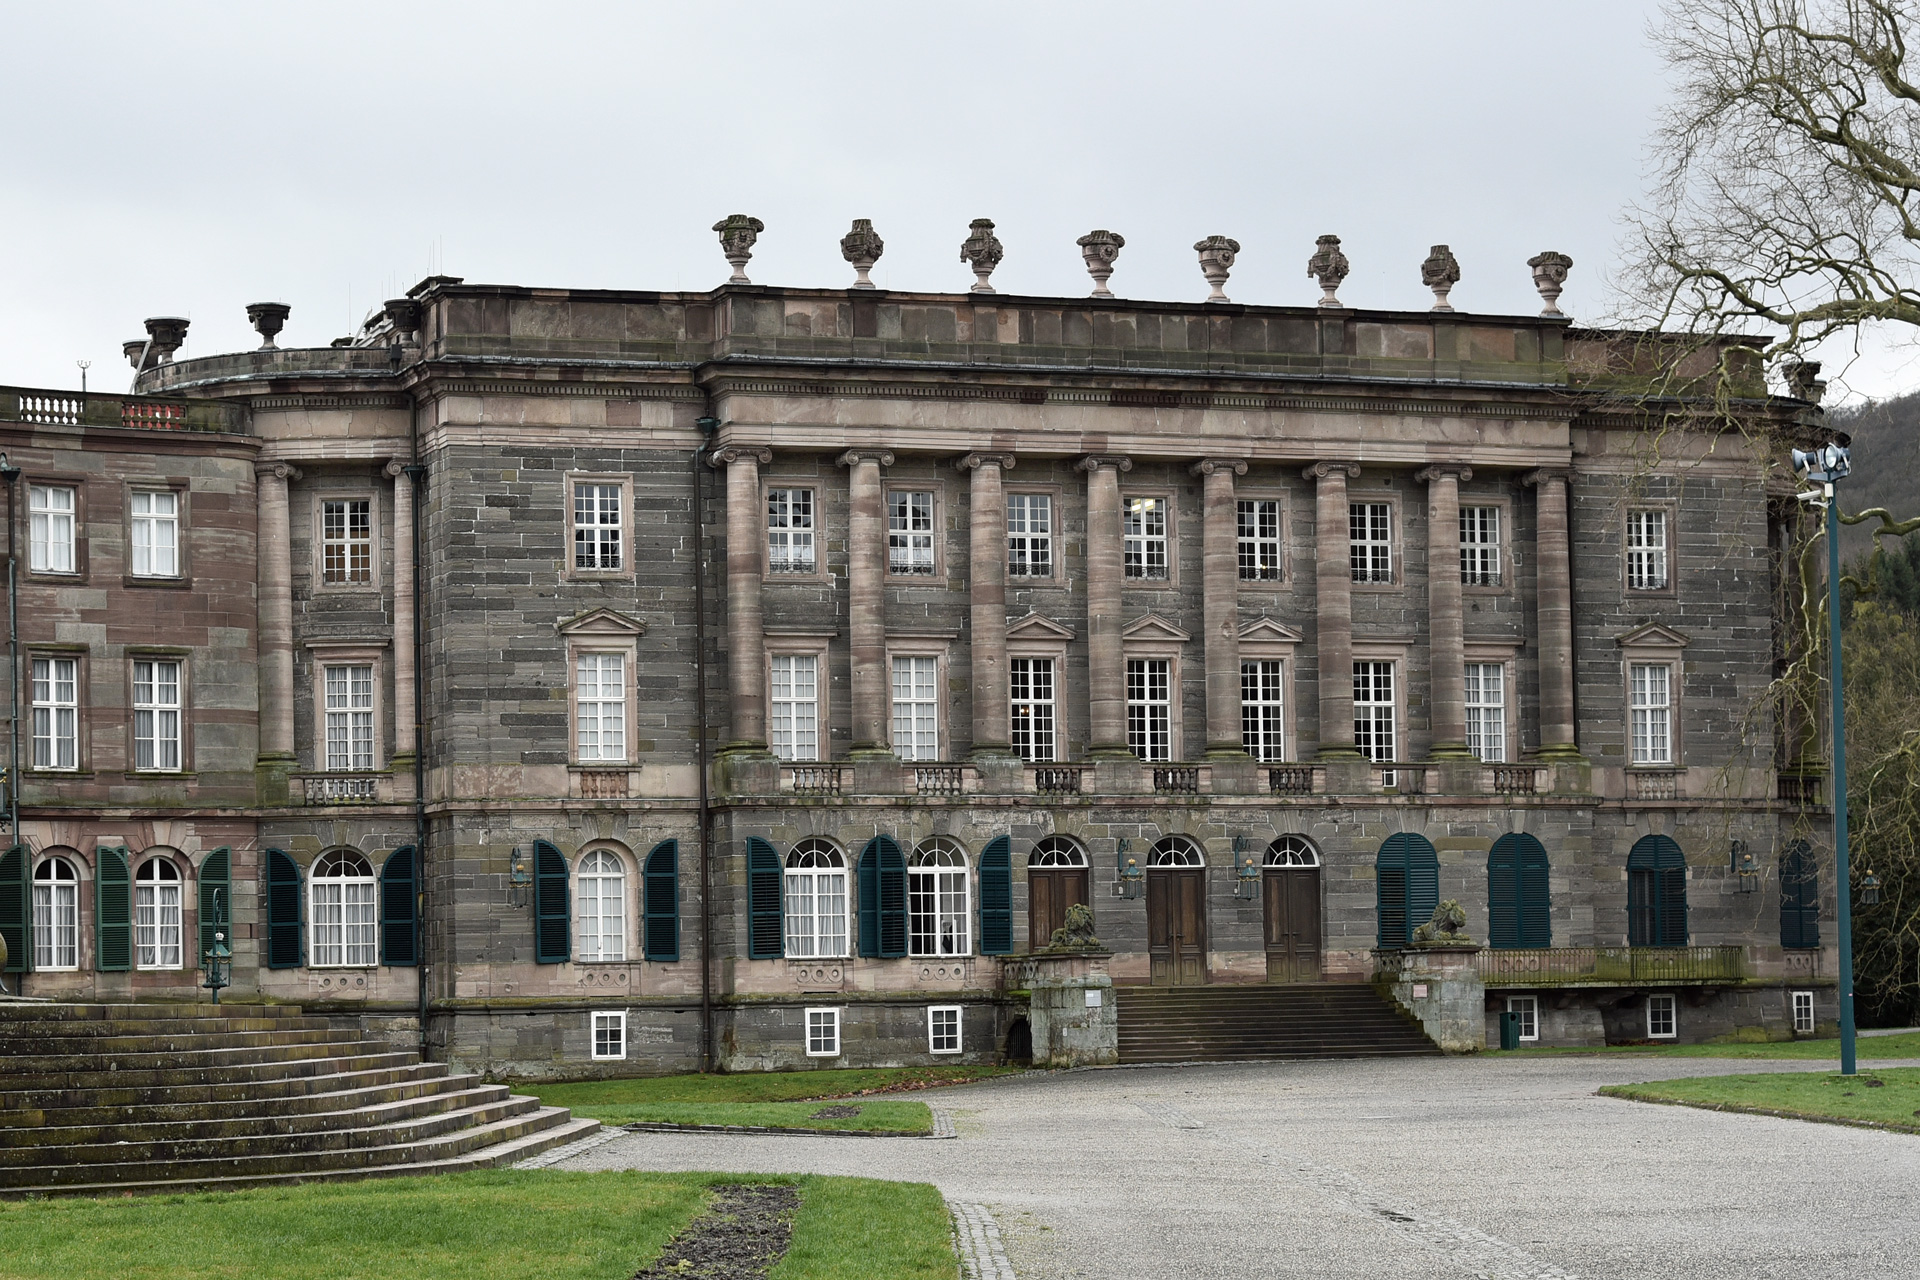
<point x="1441" y="987"/>
<point x="1071" y="1010"/>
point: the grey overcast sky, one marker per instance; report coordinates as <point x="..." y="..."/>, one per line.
<point x="188" y="159"/>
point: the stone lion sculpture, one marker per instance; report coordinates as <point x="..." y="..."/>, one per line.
<point x="1077" y="933"/>
<point x="1449" y="925"/>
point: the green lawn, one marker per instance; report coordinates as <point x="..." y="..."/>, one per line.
<point x="891" y="1117"/>
<point x="586" y="1097"/>
<point x="1901" y="1046"/>
<point x="557" y="1226"/>
<point x="1890" y="1097"/>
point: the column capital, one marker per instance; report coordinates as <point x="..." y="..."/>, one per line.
<point x="1441" y="470"/>
<point x="1321" y="470"/>
<point x="1095" y="461"/>
<point x="854" y="457"/>
<point x="1545" y="474"/>
<point x="278" y="470"/>
<point x="739" y="452"/>
<point x="968" y="462"/>
<point x="1207" y="466"/>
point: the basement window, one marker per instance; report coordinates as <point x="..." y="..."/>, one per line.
<point x="943" y="1028"/>
<point x="1803" y="1013"/>
<point x="609" y="1035"/>
<point x="1528" y="1007"/>
<point x="823" y="1033"/>
<point x="1662" y="1019"/>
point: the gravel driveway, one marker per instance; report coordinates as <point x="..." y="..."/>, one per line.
<point x="1453" y="1167"/>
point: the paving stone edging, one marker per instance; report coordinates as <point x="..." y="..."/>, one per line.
<point x="976" y="1238"/>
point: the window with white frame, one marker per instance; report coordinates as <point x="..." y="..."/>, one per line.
<point x="1370" y="541"/>
<point x="156" y="715"/>
<point x="349" y="713"/>
<point x="1150" y="708"/>
<point x="156" y="915"/>
<point x="1263" y="709"/>
<point x="1030" y="535"/>
<point x="600" y="908"/>
<point x="346" y="542"/>
<point x="943" y="1028"/>
<point x="1480" y="546"/>
<point x="816" y="901"/>
<point x="600" y="706"/>
<point x="1144" y="525"/>
<point x="56" y="713"/>
<point x="1031" y="706"/>
<point x="343" y="911"/>
<point x="598" y="527"/>
<point x="51" y="515"/>
<point x="790" y="531"/>
<point x="1647" y="550"/>
<point x="1259" y="539"/>
<point x="56" y="915"/>
<point x="823" y="1033"/>
<point x="793" y="710"/>
<point x="1650" y="708"/>
<point x="916" y="707"/>
<point x="910" y="532"/>
<point x="1528" y="1007"/>
<point x="937" y="900"/>
<point x="1803" y="1023"/>
<point x="1662" y="1018"/>
<point x="1486" y="707"/>
<point x="1373" y="717"/>
<point x="156" y="534"/>
<point x="609" y="1034"/>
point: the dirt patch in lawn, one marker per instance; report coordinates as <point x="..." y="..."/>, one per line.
<point x="835" y="1113"/>
<point x="740" y="1236"/>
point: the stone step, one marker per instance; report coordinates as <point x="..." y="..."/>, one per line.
<point x="92" y="1030"/>
<point x="303" y="1095"/>
<point x="132" y="1052"/>
<point x="52" y="1011"/>
<point x="1229" y="1023"/>
<point x="342" y="1110"/>
<point x="130" y="1085"/>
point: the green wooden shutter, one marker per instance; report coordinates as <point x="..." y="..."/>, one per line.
<point x="867" y="871"/>
<point x="552" y="903"/>
<point x="660" y="908"/>
<point x="286" y="948"/>
<point x="1390" y="893"/>
<point x="1656" y="893"/>
<point x="766" y="923"/>
<point x="112" y="910"/>
<point x="1536" y="897"/>
<point x="1423" y="881"/>
<point x="996" y="897"/>
<point x="1503" y="894"/>
<point x="893" y="897"/>
<point x="15" y="904"/>
<point x="399" y="909"/>
<point x="216" y="898"/>
<point x="1799" y="897"/>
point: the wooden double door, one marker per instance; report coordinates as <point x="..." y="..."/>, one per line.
<point x="1177" y="926"/>
<point x="1292" y="912"/>
<point x="1049" y="893"/>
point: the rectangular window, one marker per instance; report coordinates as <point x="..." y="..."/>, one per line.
<point x="346" y="542"/>
<point x="1030" y="690"/>
<point x="156" y="715"/>
<point x="1528" y="1007"/>
<point x="1373" y="710"/>
<point x="1803" y="1013"/>
<point x="910" y="533"/>
<point x="916" y="708"/>
<point x="1651" y="707"/>
<point x="1487" y="711"/>
<point x="1262" y="709"/>
<point x="609" y="1035"/>
<point x="823" y="1033"/>
<point x="1150" y="708"/>
<point x="1144" y="523"/>
<point x="1480" y="546"/>
<point x="1370" y="541"/>
<point x="156" y="535"/>
<point x="1662" y="1020"/>
<point x="1647" y="550"/>
<point x="56" y="713"/>
<point x="51" y="511"/>
<point x="816" y="907"/>
<point x="943" y="1028"/>
<point x="597" y="527"/>
<point x="1259" y="521"/>
<point x="349" y="717"/>
<point x="790" y="531"/>
<point x="1029" y="535"/>
<point x="600" y="707"/>
<point x="793" y="725"/>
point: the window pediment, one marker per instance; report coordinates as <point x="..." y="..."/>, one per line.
<point x="1151" y="628"/>
<point x="1267" y="631"/>
<point x="609" y="623"/>
<point x="1652" y="636"/>
<point x="1037" y="627"/>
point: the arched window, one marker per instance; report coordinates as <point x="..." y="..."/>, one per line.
<point x="1292" y="851"/>
<point x="344" y="928"/>
<point x="1057" y="851"/>
<point x="1799" y="897"/>
<point x="816" y="900"/>
<point x="1406" y="887"/>
<point x="937" y="900"/>
<point x="56" y="915"/>
<point x="1656" y="894"/>
<point x="1519" y="911"/>
<point x="600" y="908"/>
<point x="156" y="915"/>
<point x="1175" y="851"/>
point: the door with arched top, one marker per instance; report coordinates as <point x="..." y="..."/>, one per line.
<point x="1056" y="880"/>
<point x="1177" y="913"/>
<point x="1290" y="885"/>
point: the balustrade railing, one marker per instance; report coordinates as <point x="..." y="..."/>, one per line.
<point x="604" y="784"/>
<point x="1650" y="784"/>
<point x="1799" y="788"/>
<point x="939" y="779"/>
<point x="1057" y="779"/>
<point x="101" y="409"/>
<point x="320" y="789"/>
<point x="1548" y="966"/>
<point x="815" y="779"/>
<point x="1514" y="779"/>
<point x="1290" y="780"/>
<point x="1179" y="780"/>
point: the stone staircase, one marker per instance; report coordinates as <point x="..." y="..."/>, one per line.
<point x="1228" y="1023"/>
<point x="111" y="1099"/>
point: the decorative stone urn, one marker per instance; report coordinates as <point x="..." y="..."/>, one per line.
<point x="983" y="251"/>
<point x="1217" y="254"/>
<point x="404" y="315"/>
<point x="132" y="349"/>
<point x="1440" y="272"/>
<point x="268" y="319"/>
<point x="738" y="232"/>
<point x="862" y="247"/>
<point x="1099" y="249"/>
<point x="1549" y="277"/>
<point x="1803" y="380"/>
<point x="169" y="334"/>
<point x="1329" y="266"/>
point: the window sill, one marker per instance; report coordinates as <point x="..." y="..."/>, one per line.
<point x="158" y="584"/>
<point x="597" y="575"/>
<point x="55" y="577"/>
<point x="48" y="775"/>
<point x="160" y="775"/>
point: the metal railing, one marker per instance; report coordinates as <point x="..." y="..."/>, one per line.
<point x="1663" y="784"/>
<point x="815" y="779"/>
<point x="1183" y="780"/>
<point x="1056" y="780"/>
<point x="939" y="779"/>
<point x="1290" y="780"/>
<point x="1552" y="966"/>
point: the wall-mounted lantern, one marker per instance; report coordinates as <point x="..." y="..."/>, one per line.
<point x="1246" y="870"/>
<point x="1747" y="866"/>
<point x="1870" y="889"/>
<point x="519" y="877"/>
<point x="1131" y="880"/>
<point x="217" y="960"/>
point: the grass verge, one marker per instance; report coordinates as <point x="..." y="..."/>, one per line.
<point x="1901" y="1046"/>
<point x="588" y="1097"/>
<point x="877" y="1117"/>
<point x="1889" y="1098"/>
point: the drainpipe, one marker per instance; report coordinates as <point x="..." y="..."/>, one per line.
<point x="416" y="474"/>
<point x="11" y="474"/>
<point x="707" y="425"/>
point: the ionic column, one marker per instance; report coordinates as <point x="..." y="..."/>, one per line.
<point x="1553" y="562"/>
<point x="1220" y="552"/>
<point x="987" y="591"/>
<point x="1446" y="649"/>
<point x="1333" y="603"/>
<point x="1106" y="664"/>
<point x="866" y="596"/>
<point x="746" y="631"/>
<point x="403" y="708"/>
<point x="276" y="612"/>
